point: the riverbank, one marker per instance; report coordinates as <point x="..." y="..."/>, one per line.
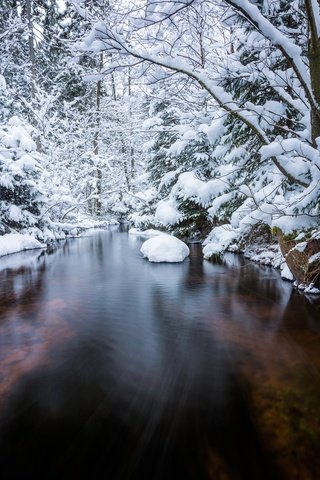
<point x="271" y="255"/>
<point x="11" y="243"/>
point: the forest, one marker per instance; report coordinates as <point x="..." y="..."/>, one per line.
<point x="160" y="239"/>
<point x="200" y="118"/>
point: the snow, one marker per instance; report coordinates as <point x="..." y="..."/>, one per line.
<point x="213" y="131"/>
<point x="311" y="289"/>
<point x="189" y="186"/>
<point x="16" y="242"/>
<point x="152" y="122"/>
<point x="316" y="15"/>
<point x="314" y="258"/>
<point x="289" y="145"/>
<point x="218" y="202"/>
<point x="78" y="7"/>
<point x="145" y="233"/>
<point x="3" y="84"/>
<point x="167" y="213"/>
<point x="307" y="288"/>
<point x="28" y="163"/>
<point x="15" y="213"/>
<point x="167" y="178"/>
<point x="286" y="273"/>
<point x="288" y="224"/>
<point x="218" y="240"/>
<point x="19" y="137"/>
<point x="241" y="190"/>
<point x="165" y="248"/>
<point x="269" y="31"/>
<point x="301" y="246"/>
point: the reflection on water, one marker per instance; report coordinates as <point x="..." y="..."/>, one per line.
<point x="113" y="367"/>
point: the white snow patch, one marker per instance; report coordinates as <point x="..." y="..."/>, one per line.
<point x="165" y="248"/>
<point x="301" y="246"/>
<point x="314" y="258"/>
<point x="218" y="240"/>
<point x="3" y="84"/>
<point x="189" y="186"/>
<point x="213" y="131"/>
<point x="166" y="213"/>
<point x="264" y="254"/>
<point x="167" y="178"/>
<point x="19" y="137"/>
<point x="286" y="273"/>
<point x="145" y="233"/>
<point x="311" y="289"/>
<point x="16" y="242"/>
<point x="290" y="223"/>
<point x="15" y="213"/>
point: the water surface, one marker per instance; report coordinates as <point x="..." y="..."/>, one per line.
<point x="112" y="367"/>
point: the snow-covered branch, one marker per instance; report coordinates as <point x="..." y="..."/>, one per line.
<point x="101" y="38"/>
<point x="290" y="50"/>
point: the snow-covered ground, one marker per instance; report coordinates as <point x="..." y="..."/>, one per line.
<point x="16" y="242"/>
<point x="165" y="248"/>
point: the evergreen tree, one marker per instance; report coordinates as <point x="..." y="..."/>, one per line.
<point x="21" y="196"/>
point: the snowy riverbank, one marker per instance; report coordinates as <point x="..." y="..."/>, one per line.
<point x="18" y="242"/>
<point x="270" y="255"/>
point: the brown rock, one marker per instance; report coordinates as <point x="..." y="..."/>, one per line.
<point x="298" y="254"/>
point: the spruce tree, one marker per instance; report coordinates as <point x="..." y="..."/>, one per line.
<point x="21" y="196"/>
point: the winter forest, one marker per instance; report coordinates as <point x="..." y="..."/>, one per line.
<point x="200" y="118"/>
<point x="159" y="239"/>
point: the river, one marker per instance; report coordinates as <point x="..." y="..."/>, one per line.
<point x="112" y="367"/>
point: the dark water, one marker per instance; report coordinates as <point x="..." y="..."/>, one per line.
<point x="115" y="368"/>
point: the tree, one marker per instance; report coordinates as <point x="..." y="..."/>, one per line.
<point x="284" y="152"/>
<point x="21" y="196"/>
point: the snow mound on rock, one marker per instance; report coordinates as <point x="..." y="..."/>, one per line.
<point x="165" y="248"/>
<point x="145" y="233"/>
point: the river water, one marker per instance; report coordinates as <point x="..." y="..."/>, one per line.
<point x="115" y="368"/>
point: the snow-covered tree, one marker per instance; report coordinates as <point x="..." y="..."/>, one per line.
<point x="21" y="195"/>
<point x="254" y="67"/>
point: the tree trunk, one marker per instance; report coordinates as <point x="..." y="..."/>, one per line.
<point x="132" y="161"/>
<point x="113" y="85"/>
<point x="98" y="203"/>
<point x="314" y="59"/>
<point x="32" y="55"/>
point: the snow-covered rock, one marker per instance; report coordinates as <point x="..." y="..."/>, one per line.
<point x="16" y="242"/>
<point x="145" y="233"/>
<point x="165" y="248"/>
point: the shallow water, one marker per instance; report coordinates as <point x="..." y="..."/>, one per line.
<point x="112" y="367"/>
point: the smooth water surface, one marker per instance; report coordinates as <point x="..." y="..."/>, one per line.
<point x="115" y="368"/>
